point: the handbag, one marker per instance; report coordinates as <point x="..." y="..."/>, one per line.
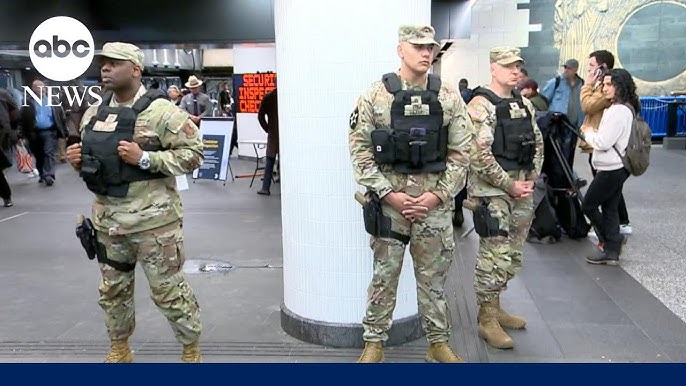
<point x="23" y="158"/>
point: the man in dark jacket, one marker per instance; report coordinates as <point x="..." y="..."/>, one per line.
<point x="268" y="115"/>
<point x="43" y="125"/>
<point x="8" y="137"/>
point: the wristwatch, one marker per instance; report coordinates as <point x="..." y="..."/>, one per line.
<point x="144" y="162"/>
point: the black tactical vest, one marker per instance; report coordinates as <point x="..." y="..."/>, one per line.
<point x="417" y="141"/>
<point x="514" y="143"/>
<point x="101" y="167"/>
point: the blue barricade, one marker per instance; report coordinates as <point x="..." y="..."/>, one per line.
<point x="654" y="111"/>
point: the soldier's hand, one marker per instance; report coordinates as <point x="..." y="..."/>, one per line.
<point x="415" y="212"/>
<point x="419" y="207"/>
<point x="74" y="155"/>
<point x="521" y="189"/>
<point x="397" y="200"/>
<point x="428" y="200"/>
<point x="129" y="152"/>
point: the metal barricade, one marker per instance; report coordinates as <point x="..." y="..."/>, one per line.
<point x="655" y="112"/>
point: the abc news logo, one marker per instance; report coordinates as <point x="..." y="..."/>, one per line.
<point x="57" y="95"/>
<point x="61" y="49"/>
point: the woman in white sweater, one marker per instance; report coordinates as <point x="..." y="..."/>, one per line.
<point x="606" y="189"/>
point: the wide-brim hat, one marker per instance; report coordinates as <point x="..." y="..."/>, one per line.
<point x="193" y="82"/>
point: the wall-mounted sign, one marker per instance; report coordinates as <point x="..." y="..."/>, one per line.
<point x="249" y="89"/>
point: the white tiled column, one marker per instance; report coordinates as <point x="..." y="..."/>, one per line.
<point x="327" y="54"/>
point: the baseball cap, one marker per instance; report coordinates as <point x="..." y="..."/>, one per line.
<point x="417" y="34"/>
<point x="505" y="55"/>
<point x="571" y="63"/>
<point x="123" y="51"/>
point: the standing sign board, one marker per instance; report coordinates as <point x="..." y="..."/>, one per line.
<point x="215" y="133"/>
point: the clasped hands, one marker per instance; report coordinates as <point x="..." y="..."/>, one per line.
<point x="129" y="152"/>
<point x="412" y="208"/>
<point x="521" y="189"/>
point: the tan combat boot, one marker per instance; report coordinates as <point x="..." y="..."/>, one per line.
<point x="120" y="352"/>
<point x="372" y="353"/>
<point x="508" y="321"/>
<point x="490" y="329"/>
<point x="442" y="353"/>
<point x="191" y="353"/>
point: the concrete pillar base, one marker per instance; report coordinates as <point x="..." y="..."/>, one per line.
<point x="346" y="335"/>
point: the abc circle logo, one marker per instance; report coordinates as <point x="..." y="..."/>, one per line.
<point x="61" y="48"/>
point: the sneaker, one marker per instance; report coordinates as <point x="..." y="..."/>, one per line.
<point x="604" y="257"/>
<point x="7" y="202"/>
<point x="263" y="192"/>
<point x="49" y="181"/>
<point x="625" y="229"/>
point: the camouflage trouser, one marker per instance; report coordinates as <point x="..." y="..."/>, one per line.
<point x="500" y="258"/>
<point x="161" y="254"/>
<point x="432" y="247"/>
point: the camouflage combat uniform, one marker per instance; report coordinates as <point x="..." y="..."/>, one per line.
<point x="499" y="257"/>
<point x="146" y="226"/>
<point x="431" y="240"/>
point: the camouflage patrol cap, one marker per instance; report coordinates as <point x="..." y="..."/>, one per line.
<point x="123" y="51"/>
<point x="417" y="34"/>
<point x="505" y="55"/>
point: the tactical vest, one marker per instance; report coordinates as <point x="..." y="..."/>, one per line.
<point x="417" y="141"/>
<point x="514" y="142"/>
<point x="101" y="167"/>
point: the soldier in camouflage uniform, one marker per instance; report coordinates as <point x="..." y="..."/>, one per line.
<point x="506" y="159"/>
<point x="408" y="107"/>
<point x="145" y="226"/>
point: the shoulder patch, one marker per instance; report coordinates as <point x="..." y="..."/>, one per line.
<point x="477" y="113"/>
<point x="190" y="130"/>
<point x="354" y="116"/>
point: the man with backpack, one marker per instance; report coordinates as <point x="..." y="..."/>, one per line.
<point x="563" y="93"/>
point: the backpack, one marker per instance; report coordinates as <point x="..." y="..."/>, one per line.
<point x="544" y="227"/>
<point x="568" y="210"/>
<point x="637" y="157"/>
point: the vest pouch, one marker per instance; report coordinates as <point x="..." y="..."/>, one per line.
<point x="526" y="156"/>
<point x="383" y="142"/>
<point x="402" y="146"/>
<point x="91" y="172"/>
<point x="111" y="169"/>
<point x="430" y="151"/>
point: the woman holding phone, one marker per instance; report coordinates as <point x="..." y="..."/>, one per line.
<point x="611" y="137"/>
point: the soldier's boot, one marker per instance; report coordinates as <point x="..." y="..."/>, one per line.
<point x="442" y="353"/>
<point x="490" y="329"/>
<point x="372" y="353"/>
<point x="191" y="353"/>
<point x="508" y="321"/>
<point x="120" y="352"/>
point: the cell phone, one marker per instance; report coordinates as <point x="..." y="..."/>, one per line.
<point x="72" y="139"/>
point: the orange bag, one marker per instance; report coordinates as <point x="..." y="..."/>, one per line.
<point x="23" y="158"/>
